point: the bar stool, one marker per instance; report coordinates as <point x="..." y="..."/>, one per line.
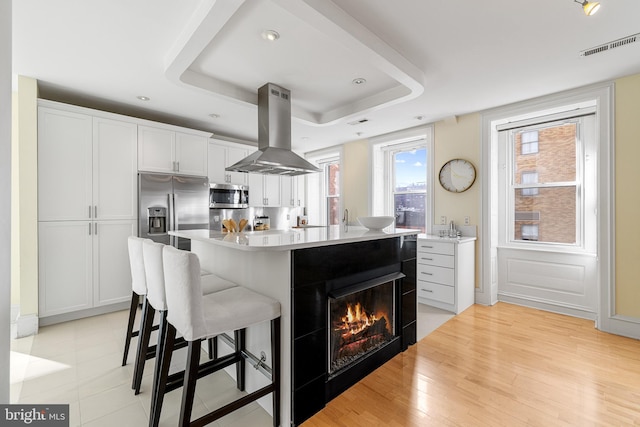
<point x="138" y="286"/>
<point x="156" y="299"/>
<point x="198" y="317"/>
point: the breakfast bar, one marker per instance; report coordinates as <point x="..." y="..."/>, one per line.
<point x="321" y="276"/>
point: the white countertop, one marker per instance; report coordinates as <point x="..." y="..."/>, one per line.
<point x="433" y="237"/>
<point x="294" y="238"/>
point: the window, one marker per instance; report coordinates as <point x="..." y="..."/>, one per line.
<point x="529" y="142"/>
<point x="410" y="187"/>
<point x="323" y="190"/>
<point x="401" y="164"/>
<point x="552" y="174"/>
<point x="529" y="178"/>
<point x="529" y="231"/>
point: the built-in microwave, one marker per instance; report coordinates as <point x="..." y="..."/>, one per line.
<point x="228" y="196"/>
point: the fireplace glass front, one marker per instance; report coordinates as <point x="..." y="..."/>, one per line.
<point x="360" y="322"/>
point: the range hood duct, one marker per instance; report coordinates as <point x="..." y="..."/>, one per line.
<point x="274" y="155"/>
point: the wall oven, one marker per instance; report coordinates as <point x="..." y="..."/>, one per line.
<point x="228" y="196"/>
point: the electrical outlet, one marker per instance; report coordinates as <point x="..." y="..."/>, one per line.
<point x="216" y="218"/>
<point x="467" y="220"/>
<point x="443" y="220"/>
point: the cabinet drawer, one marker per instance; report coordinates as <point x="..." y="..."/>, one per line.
<point x="436" y="292"/>
<point x="431" y="273"/>
<point x="436" y="259"/>
<point x="431" y="246"/>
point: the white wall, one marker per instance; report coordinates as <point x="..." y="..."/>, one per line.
<point x="5" y="196"/>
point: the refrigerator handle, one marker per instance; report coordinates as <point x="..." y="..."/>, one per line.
<point x="172" y="218"/>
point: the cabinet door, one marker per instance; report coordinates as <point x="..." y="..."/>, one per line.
<point x="272" y="190"/>
<point x="111" y="270"/>
<point x="217" y="162"/>
<point x="115" y="168"/>
<point x="286" y="188"/>
<point x="256" y="189"/>
<point x="234" y="155"/>
<point x="64" y="267"/>
<point x="191" y="154"/>
<point x="64" y="165"/>
<point x="299" y="190"/>
<point x="156" y="149"/>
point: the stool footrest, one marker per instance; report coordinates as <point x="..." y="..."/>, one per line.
<point x="230" y="407"/>
<point x="176" y="380"/>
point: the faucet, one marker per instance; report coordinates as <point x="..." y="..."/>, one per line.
<point x="345" y="220"/>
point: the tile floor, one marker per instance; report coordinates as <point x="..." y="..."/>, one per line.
<point x="79" y="363"/>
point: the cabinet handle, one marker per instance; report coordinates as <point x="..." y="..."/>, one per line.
<point x="427" y="259"/>
<point x="428" y="274"/>
<point x="96" y="228"/>
<point x="428" y="247"/>
<point x="95" y="210"/>
<point x="178" y="166"/>
<point x="89" y="229"/>
<point x="89" y="211"/>
<point x="427" y="290"/>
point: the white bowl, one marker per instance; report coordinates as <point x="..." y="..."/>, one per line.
<point x="376" y="222"/>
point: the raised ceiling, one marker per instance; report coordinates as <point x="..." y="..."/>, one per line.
<point x="423" y="61"/>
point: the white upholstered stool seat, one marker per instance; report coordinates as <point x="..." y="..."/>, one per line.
<point x="156" y="297"/>
<point x="198" y="317"/>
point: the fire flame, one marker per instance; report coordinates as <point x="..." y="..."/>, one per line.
<point x="355" y="320"/>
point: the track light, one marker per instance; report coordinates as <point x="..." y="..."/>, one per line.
<point x="590" y="8"/>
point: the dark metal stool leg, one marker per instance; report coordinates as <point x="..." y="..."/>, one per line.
<point x="130" y="333"/>
<point x="157" y="397"/>
<point x="190" y="378"/>
<point x="240" y="346"/>
<point x="143" y="343"/>
<point x="275" y="369"/>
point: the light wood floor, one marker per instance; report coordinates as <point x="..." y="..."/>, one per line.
<point x="500" y="366"/>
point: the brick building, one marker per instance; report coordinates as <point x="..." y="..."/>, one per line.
<point x="546" y="156"/>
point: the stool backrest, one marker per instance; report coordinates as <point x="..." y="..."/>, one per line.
<point x="136" y="261"/>
<point x="184" y="292"/>
<point x="152" y="254"/>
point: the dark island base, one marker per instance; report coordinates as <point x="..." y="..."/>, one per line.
<point x="316" y="274"/>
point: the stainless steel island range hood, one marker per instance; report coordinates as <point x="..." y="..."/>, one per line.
<point x="274" y="155"/>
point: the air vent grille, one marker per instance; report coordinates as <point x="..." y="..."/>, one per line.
<point x="611" y="45"/>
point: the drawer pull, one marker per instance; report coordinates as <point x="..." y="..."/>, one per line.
<point x="427" y="290"/>
<point x="428" y="247"/>
<point x="427" y="259"/>
<point x="428" y="274"/>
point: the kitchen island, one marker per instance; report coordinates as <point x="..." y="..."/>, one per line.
<point x="309" y="271"/>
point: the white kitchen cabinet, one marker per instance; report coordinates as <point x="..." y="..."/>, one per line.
<point x="87" y="183"/>
<point x="64" y="165"/>
<point x="264" y="190"/>
<point x="86" y="167"/>
<point x="287" y="196"/>
<point x="167" y="150"/>
<point x="223" y="154"/>
<point x="83" y="264"/>
<point x="110" y="255"/>
<point x="446" y="272"/>
<point x="64" y="267"/>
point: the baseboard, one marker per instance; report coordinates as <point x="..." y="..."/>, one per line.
<point x="25" y="326"/>
<point x="553" y="307"/>
<point x="622" y="325"/>
<point x="75" y="315"/>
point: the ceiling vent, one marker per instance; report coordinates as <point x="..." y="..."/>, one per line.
<point x="611" y="45"/>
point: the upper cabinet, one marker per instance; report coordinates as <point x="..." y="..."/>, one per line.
<point x="86" y="167"/>
<point x="168" y="150"/>
<point x="222" y="154"/>
<point x="265" y="190"/>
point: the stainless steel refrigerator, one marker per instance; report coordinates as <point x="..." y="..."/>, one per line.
<point x="172" y="202"/>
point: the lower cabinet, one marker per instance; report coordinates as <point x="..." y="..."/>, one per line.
<point x="83" y="265"/>
<point x="445" y="272"/>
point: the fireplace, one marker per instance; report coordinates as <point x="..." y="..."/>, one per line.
<point x="375" y="279"/>
<point x="361" y="320"/>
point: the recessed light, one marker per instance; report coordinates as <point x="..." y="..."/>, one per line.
<point x="359" y="81"/>
<point x="144" y="98"/>
<point x="214" y="115"/>
<point x="270" y="35"/>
